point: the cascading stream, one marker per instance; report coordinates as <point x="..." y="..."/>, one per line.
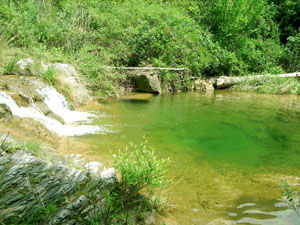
<point x="58" y="105"/>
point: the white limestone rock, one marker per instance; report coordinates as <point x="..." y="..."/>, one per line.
<point x="93" y="167"/>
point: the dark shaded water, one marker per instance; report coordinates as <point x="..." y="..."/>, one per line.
<point x="229" y="152"/>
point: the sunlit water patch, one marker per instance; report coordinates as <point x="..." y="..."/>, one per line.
<point x="229" y="152"/>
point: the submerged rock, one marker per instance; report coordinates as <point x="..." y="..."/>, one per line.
<point x="146" y="82"/>
<point x="138" y="97"/>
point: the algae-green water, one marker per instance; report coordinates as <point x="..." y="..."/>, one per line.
<point x="229" y="152"/>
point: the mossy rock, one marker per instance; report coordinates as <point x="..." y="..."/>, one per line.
<point x="4" y="111"/>
<point x="146" y="82"/>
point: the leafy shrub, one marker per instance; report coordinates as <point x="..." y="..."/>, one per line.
<point x="140" y="171"/>
<point x="287" y="17"/>
<point x="129" y="200"/>
<point x="244" y="28"/>
<point x="140" y="168"/>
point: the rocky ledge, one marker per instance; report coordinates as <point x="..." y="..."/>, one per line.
<point x="223" y="82"/>
<point x="34" y="190"/>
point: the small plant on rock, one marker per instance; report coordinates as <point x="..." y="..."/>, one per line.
<point x="11" y="67"/>
<point x="48" y="76"/>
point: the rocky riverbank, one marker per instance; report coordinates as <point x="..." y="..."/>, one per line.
<point x="272" y="84"/>
<point x="52" y="191"/>
<point x="55" y="189"/>
<point x="45" y="187"/>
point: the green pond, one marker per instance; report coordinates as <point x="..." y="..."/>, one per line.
<point x="229" y="152"/>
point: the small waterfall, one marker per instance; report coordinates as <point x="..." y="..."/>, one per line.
<point x="59" y="109"/>
<point x="57" y="103"/>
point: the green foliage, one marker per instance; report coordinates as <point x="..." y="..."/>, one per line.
<point x="287" y="17"/>
<point x="209" y="38"/>
<point x="49" y="76"/>
<point x="270" y="85"/>
<point x="11" y="67"/>
<point x="244" y="28"/>
<point x="9" y="146"/>
<point x="292" y="197"/>
<point x="140" y="168"/>
<point x="129" y="200"/>
<point x="41" y="214"/>
<point x="291" y="55"/>
<point x="140" y="171"/>
<point x="33" y="146"/>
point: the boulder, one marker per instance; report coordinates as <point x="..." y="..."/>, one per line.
<point x="26" y="67"/>
<point x="25" y="63"/>
<point x="93" y="167"/>
<point x="222" y="82"/>
<point x="68" y="77"/>
<point x="203" y="86"/>
<point x="146" y="82"/>
<point x="109" y="175"/>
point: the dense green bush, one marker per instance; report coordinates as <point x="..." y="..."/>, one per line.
<point x="140" y="168"/>
<point x="291" y="55"/>
<point x="222" y="37"/>
<point x="243" y="27"/>
<point x="287" y="17"/>
<point x="132" y="197"/>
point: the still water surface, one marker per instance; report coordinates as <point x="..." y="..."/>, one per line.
<point x="229" y="152"/>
